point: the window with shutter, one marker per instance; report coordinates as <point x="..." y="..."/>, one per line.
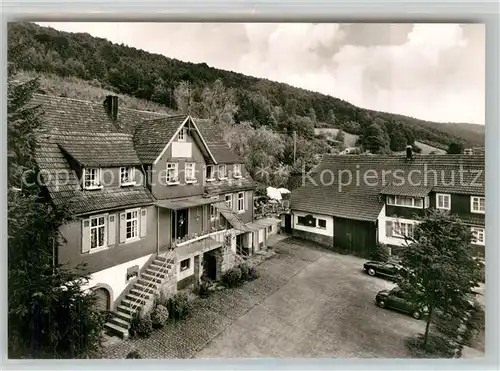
<point x="95" y="233"/>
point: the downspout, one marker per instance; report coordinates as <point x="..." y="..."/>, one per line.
<point x="157" y="229"/>
<point x="54" y="256"/>
<point x="175" y="225"/>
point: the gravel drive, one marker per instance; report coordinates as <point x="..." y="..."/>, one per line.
<point x="308" y="302"/>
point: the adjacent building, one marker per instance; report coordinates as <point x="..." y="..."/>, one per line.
<point x="158" y="202"/>
<point x="350" y="203"/>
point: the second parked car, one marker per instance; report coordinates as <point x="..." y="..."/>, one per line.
<point x="397" y="299"/>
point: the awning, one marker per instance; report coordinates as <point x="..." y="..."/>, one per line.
<point x="231" y="217"/>
<point x="188" y="202"/>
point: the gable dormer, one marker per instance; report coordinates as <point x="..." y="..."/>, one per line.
<point x="102" y="160"/>
<point x="177" y="134"/>
<point x="182" y="144"/>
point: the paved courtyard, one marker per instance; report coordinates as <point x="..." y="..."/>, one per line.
<point x="307" y="303"/>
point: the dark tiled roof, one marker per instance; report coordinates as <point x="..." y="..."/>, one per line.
<point x="64" y="186"/>
<point x="73" y="115"/>
<point x="91" y="137"/>
<point x="223" y="154"/>
<point x="215" y="142"/>
<point x="152" y="136"/>
<point x="350" y="202"/>
<point x="352" y="184"/>
<point x="406" y="190"/>
<point x="209" y="131"/>
<point x="85" y="131"/>
<point x="476" y="219"/>
<point x="100" y="149"/>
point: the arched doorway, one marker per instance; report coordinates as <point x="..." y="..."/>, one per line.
<point x="103" y="299"/>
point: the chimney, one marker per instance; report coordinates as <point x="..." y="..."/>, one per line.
<point x="111" y="105"/>
<point x="409" y="151"/>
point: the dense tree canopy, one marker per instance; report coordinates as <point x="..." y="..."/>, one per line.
<point x="154" y="77"/>
<point x="440" y="270"/>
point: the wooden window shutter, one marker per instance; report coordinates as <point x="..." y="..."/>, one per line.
<point x="388" y="228"/>
<point x="123" y="228"/>
<point x="111" y="230"/>
<point x="85" y="236"/>
<point x="144" y="230"/>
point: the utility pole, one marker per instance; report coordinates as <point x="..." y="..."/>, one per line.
<point x="189" y="99"/>
<point x="294" y="146"/>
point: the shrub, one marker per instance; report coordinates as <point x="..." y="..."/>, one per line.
<point x="159" y="316"/>
<point x="141" y="325"/>
<point x="253" y="274"/>
<point x="161" y="299"/>
<point x="436" y="347"/>
<point x="179" y="306"/>
<point x="245" y="271"/>
<point x="133" y="355"/>
<point x="381" y="253"/>
<point x="204" y="289"/>
<point x="232" y="277"/>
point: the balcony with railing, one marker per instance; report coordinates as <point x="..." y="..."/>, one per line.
<point x="205" y="241"/>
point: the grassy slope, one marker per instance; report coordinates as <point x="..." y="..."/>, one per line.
<point x="72" y="87"/>
<point x="350" y="141"/>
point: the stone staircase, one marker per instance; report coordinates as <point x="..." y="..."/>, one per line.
<point x="141" y="293"/>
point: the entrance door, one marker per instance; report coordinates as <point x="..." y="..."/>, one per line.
<point x="209" y="266"/>
<point x="239" y="241"/>
<point x="102" y="299"/>
<point x="180" y="223"/>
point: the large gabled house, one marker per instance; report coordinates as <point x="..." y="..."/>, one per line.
<point x="350" y="203"/>
<point x="159" y="202"/>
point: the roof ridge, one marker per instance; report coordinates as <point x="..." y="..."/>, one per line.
<point x="164" y="117"/>
<point x="89" y="133"/>
<point x="95" y="102"/>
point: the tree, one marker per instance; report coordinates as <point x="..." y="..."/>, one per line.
<point x="182" y="95"/>
<point x="439" y="269"/>
<point x="49" y="315"/>
<point x="219" y="105"/>
<point x="375" y="139"/>
<point x="352" y="127"/>
<point x="455" y="148"/>
<point x="398" y="137"/>
<point x="340" y="136"/>
<point x="312" y="115"/>
<point x="330" y="118"/>
<point x="416" y="148"/>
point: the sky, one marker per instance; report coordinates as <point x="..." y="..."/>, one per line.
<point x="432" y="72"/>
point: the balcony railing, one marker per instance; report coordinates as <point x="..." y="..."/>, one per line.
<point x="217" y="234"/>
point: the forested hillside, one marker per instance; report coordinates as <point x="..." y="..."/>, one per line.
<point x="179" y="85"/>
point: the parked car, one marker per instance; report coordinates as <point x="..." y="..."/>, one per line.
<point x="383" y="269"/>
<point x="397" y="299"/>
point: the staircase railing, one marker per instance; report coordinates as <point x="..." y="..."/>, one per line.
<point x="240" y="251"/>
<point x="235" y="214"/>
<point x="152" y="283"/>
